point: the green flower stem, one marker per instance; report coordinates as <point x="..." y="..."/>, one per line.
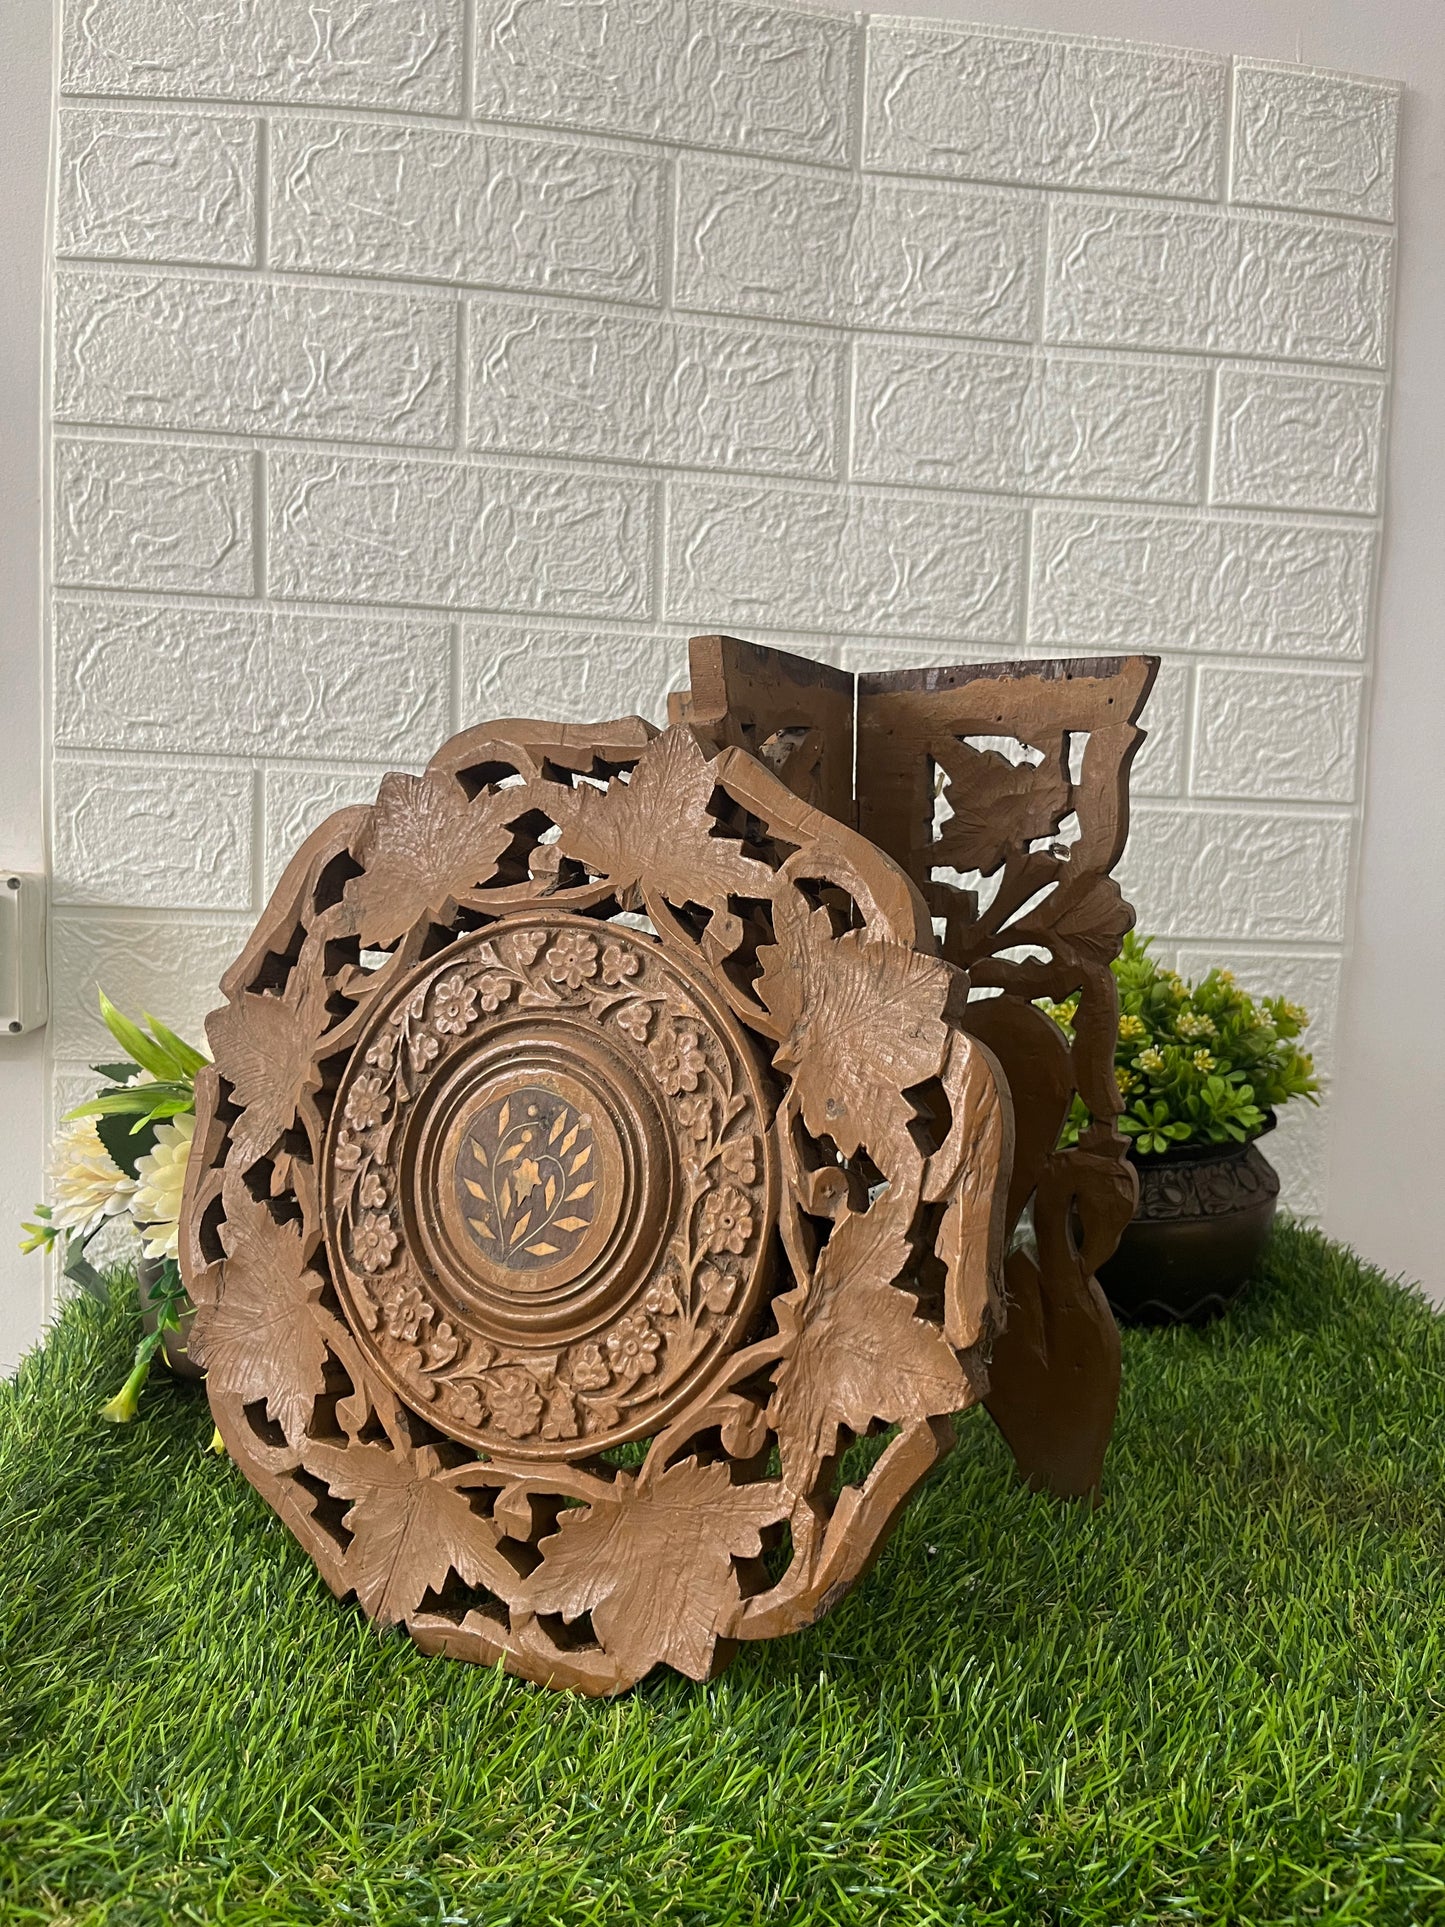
<point x="121" y="1409"/>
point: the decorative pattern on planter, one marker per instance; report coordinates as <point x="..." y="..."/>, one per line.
<point x="1232" y="1179"/>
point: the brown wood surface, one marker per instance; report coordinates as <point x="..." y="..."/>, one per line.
<point x="604" y="1085"/>
<point x="794" y="714"/>
<point x="595" y="1086"/>
<point x="1030" y="763"/>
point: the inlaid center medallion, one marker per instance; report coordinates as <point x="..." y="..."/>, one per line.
<point x="551" y="1185"/>
<point x="526" y="1179"/>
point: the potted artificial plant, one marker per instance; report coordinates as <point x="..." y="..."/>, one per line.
<point x="123" y="1154"/>
<point x="1203" y="1070"/>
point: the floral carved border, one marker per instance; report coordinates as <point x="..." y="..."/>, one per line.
<point x="605" y="1388"/>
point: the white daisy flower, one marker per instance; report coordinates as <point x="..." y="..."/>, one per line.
<point x="156" y="1206"/>
<point x="86" y="1184"/>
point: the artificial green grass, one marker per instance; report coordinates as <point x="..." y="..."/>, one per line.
<point x="1217" y="1698"/>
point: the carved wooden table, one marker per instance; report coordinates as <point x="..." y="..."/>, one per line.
<point x="605" y="1086"/>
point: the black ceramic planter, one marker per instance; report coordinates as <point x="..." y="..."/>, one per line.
<point x="174" y="1343"/>
<point x="1203" y="1220"/>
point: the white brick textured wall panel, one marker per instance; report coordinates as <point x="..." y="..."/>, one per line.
<point x="513" y="669"/>
<point x="158" y="351"/>
<point x="675" y="315"/>
<point x="160" y="834"/>
<point x="356" y="197"/>
<point x="157" y="187"/>
<point x="1317" y="141"/>
<point x="875" y="254"/>
<point x="1125" y="274"/>
<point x="248" y="682"/>
<point x="445" y="535"/>
<point x="765" y="79"/>
<point x="1312" y="982"/>
<point x="153" y="515"/>
<point x="1297" y="441"/>
<point x="1108" y="582"/>
<point x="1159" y="764"/>
<point x="631" y="387"/>
<point x="1299" y="1149"/>
<point x="1032" y="107"/>
<point x="358" y="53"/>
<point x="920" y="565"/>
<point x="1287" y="735"/>
<point x="1254" y="876"/>
<point x="984" y="419"/>
<point x="298" y="801"/>
<point x="170" y="965"/>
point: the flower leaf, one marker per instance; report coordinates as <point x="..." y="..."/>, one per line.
<point x="148" y="1052"/>
<point x="126" y="1143"/>
<point x="80" y="1271"/>
<point x="187" y="1057"/>
<point x="116" y="1073"/>
<point x="140" y="1100"/>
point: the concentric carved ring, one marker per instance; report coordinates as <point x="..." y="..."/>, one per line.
<point x="548" y="1187"/>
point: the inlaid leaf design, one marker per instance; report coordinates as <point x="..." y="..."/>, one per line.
<point x="259" y="1339"/>
<point x="997" y="805"/>
<point x="654" y="1565"/>
<point x="656" y="829"/>
<point x="865" y="1022"/>
<point x="857" y="1351"/>
<point x="426" y="845"/>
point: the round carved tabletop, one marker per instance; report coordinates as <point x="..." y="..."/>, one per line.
<point x="574" y="1129"/>
<point x="592" y="1088"/>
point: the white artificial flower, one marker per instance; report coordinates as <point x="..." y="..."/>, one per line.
<point x="156" y="1206"/>
<point x="86" y="1184"/>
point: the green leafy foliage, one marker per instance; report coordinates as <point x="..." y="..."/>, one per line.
<point x="1197" y="1063"/>
<point x="155" y="1081"/>
<point x="1212" y="1701"/>
<point x="166" y="1067"/>
<point x="127" y="1143"/>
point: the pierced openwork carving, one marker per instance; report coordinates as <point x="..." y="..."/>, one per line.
<point x="595" y="1087"/>
<point x="1003" y="789"/>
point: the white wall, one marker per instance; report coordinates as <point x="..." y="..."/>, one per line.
<point x="1389" y="1084"/>
<point x="369" y="423"/>
<point x="25" y="64"/>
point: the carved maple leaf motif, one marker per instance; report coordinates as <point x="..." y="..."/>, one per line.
<point x="408" y="1532"/>
<point x="260" y="1339"/>
<point x="654" y="1565"/>
<point x="1087" y="924"/>
<point x="864" y="1022"/>
<point x="265" y="1048"/>
<point x="999" y="807"/>
<point x="656" y="830"/>
<point x="857" y="1349"/>
<point x="426" y="845"/>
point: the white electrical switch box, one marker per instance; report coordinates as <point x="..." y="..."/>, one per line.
<point x="24" y="990"/>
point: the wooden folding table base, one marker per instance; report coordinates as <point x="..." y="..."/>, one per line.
<point x="602" y="1087"/>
